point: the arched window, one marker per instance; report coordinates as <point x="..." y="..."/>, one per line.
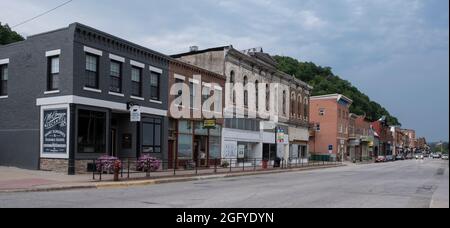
<point x="284" y="102"/>
<point x="245" y="91"/>
<point x="299" y="107"/>
<point x="293" y="104"/>
<point x="306" y="103"/>
<point x="257" y="94"/>
<point x="232" y="81"/>
<point x="267" y="97"/>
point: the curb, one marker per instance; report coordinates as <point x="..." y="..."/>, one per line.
<point x="126" y="184"/>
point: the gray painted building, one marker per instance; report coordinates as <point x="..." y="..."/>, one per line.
<point x="66" y="96"/>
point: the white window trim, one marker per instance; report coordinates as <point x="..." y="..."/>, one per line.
<point x="4" y="61"/>
<point x="177" y="76"/>
<point x="156" y="102"/>
<point x="93" y="51"/>
<point x="195" y="81"/>
<point x="52" y="92"/>
<point x="218" y="88"/>
<point x="137" y="64"/>
<point x="3" y="97"/>
<point x="137" y="98"/>
<point x="53" y="53"/>
<point x="117" y="58"/>
<point x="47" y="155"/>
<point x="92" y="90"/>
<point x="156" y="70"/>
<point x="116" y="94"/>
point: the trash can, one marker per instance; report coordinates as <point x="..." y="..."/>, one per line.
<point x="265" y="164"/>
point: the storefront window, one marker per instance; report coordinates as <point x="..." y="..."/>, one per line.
<point x="185" y="146"/>
<point x="91" y="132"/>
<point x="151" y="136"/>
<point x="199" y="130"/>
<point x="185" y="127"/>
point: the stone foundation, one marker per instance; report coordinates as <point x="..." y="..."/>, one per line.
<point x="62" y="165"/>
<point x="54" y="165"/>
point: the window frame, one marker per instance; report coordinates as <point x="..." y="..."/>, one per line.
<point x="4" y="92"/>
<point x="153" y="122"/>
<point x="119" y="77"/>
<point x="157" y="88"/>
<point x="51" y="75"/>
<point x="140" y="70"/>
<point x="97" y="73"/>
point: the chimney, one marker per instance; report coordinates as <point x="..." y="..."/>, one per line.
<point x="193" y="48"/>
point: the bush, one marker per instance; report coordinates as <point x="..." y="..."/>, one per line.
<point x="147" y="163"/>
<point x="106" y="164"/>
<point x="225" y="164"/>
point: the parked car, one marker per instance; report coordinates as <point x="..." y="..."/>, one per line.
<point x="380" y="159"/>
<point x="399" y="157"/>
<point x="445" y="157"/>
<point x="409" y="157"/>
<point x="419" y="157"/>
<point x="436" y="156"/>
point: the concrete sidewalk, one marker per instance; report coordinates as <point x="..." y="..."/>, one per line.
<point x="19" y="180"/>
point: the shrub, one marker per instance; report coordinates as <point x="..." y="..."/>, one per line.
<point x="147" y="163"/>
<point x="106" y="164"/>
<point x="225" y="164"/>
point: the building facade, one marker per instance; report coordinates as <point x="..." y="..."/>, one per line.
<point x="69" y="97"/>
<point x="196" y="137"/>
<point x="251" y="136"/>
<point x="331" y="116"/>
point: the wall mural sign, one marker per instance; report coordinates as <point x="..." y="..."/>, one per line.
<point x="55" y="131"/>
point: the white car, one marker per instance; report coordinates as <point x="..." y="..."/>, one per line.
<point x="419" y="156"/>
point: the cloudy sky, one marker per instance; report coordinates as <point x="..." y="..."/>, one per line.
<point x="395" y="51"/>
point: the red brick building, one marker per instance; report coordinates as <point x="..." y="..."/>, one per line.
<point x="331" y="116"/>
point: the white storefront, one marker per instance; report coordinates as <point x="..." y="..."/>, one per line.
<point x="298" y="144"/>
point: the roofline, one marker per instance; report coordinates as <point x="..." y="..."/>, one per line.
<point x="220" y="48"/>
<point x="332" y="96"/>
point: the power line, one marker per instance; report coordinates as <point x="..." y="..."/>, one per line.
<point x="42" y="14"/>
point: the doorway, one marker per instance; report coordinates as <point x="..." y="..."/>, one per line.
<point x="201" y="150"/>
<point x="113" y="141"/>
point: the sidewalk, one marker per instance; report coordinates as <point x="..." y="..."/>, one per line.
<point x="19" y="180"/>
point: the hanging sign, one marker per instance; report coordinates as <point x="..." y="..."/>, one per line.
<point x="135" y="114"/>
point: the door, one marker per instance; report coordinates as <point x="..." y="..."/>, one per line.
<point x="113" y="141"/>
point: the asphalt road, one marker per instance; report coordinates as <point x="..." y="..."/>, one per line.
<point x="410" y="184"/>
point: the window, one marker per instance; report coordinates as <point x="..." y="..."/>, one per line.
<point x="284" y="102"/>
<point x="92" y="71"/>
<point x="136" y="81"/>
<point x="151" y="136"/>
<point x="53" y="73"/>
<point x="267" y="97"/>
<point x="192" y="93"/>
<point x="293" y="104"/>
<point x="154" y="86"/>
<point x="318" y="127"/>
<point x="116" y="77"/>
<point x="3" y="80"/>
<point x="179" y="83"/>
<point x="232" y="81"/>
<point x="245" y="91"/>
<point x="306" y="111"/>
<point x="257" y="94"/>
<point x="322" y="112"/>
<point x="91" y="132"/>
<point x="206" y="93"/>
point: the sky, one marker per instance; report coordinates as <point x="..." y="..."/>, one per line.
<point x="395" y="51"/>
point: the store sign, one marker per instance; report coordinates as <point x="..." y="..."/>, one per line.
<point x="55" y="131"/>
<point x="209" y="124"/>
<point x="241" y="151"/>
<point x="135" y="114"/>
<point x="280" y="136"/>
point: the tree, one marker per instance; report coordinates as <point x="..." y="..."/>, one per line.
<point x="325" y="82"/>
<point x="8" y="36"/>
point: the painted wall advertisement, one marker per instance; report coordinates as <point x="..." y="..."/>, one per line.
<point x="55" y="131"/>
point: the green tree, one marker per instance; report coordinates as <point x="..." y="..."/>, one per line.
<point x="325" y="82"/>
<point x="8" y="36"/>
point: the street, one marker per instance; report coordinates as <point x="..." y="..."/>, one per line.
<point x="402" y="184"/>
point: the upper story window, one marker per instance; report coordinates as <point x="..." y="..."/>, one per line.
<point x="3" y="80"/>
<point x="155" y="86"/>
<point x="192" y="93"/>
<point x="53" y="73"/>
<point x="267" y="97"/>
<point x="257" y="94"/>
<point x="293" y="104"/>
<point x="136" y="81"/>
<point x="245" y="91"/>
<point x="299" y="107"/>
<point x="306" y="106"/>
<point x="232" y="81"/>
<point x="206" y="93"/>
<point x="92" y="69"/>
<point x="322" y="112"/>
<point x="116" y="77"/>
<point x="284" y="102"/>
